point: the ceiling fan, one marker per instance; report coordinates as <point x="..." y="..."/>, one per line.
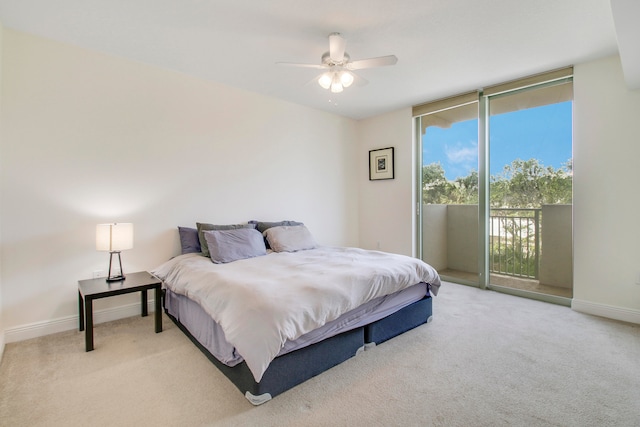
<point x="339" y="66"/>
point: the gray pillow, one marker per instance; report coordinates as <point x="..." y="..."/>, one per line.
<point x="232" y="245"/>
<point x="189" y="240"/>
<point x="202" y="227"/>
<point x="290" y="238"/>
<point x="264" y="226"/>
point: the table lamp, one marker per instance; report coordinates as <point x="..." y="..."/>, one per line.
<point x="114" y="238"/>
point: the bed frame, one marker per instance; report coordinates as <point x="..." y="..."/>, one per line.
<point x="293" y="368"/>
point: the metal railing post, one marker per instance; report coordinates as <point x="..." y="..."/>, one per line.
<point x="537" y="242"/>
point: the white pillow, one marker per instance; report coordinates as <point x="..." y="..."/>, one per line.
<point x="290" y="238"/>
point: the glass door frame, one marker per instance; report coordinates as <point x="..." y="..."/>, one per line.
<point x="417" y="128"/>
<point x="484" y="181"/>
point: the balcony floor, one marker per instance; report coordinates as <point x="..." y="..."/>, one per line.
<point x="510" y="282"/>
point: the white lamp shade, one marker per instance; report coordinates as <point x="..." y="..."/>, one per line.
<point x="114" y="237"/>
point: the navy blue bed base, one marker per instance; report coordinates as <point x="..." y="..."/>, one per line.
<point x="399" y="322"/>
<point x="293" y="368"/>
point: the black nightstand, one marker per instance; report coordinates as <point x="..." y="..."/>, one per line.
<point x="91" y="289"/>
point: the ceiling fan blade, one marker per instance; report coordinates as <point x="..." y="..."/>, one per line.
<point x="380" y="61"/>
<point x="294" y="64"/>
<point x="336" y="47"/>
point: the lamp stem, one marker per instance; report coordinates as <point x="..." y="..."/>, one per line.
<point x="111" y="277"/>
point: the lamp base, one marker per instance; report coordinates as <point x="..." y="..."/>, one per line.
<point x="112" y="277"/>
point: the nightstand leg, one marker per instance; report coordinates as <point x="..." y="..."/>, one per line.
<point x="158" y="308"/>
<point x="143" y="301"/>
<point x="81" y="311"/>
<point x="88" y="334"/>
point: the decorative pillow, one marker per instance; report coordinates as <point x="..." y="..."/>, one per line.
<point x="189" y="240"/>
<point x="202" y="227"/>
<point x="264" y="226"/>
<point x="290" y="238"/>
<point x="232" y="245"/>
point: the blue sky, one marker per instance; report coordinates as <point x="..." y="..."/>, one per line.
<point x="544" y="133"/>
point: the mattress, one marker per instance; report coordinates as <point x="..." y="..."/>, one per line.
<point x="211" y="336"/>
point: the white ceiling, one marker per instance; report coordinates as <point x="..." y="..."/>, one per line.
<point x="443" y="46"/>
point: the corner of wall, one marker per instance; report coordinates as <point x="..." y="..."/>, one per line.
<point x="1" y="304"/>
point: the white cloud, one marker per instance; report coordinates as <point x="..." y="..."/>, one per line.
<point x="462" y="153"/>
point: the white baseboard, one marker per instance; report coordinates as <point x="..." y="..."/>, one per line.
<point x="608" y="311"/>
<point x="40" y="329"/>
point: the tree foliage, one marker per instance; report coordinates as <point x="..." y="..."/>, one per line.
<point x="521" y="184"/>
<point x="438" y="190"/>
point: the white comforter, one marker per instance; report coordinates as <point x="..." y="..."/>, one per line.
<point x="262" y="302"/>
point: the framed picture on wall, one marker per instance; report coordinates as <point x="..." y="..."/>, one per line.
<point x="381" y="164"/>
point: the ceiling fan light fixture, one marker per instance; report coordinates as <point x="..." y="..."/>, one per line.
<point x="325" y="80"/>
<point x="336" y="87"/>
<point x="336" y="80"/>
<point x="346" y="78"/>
<point x="336" y="83"/>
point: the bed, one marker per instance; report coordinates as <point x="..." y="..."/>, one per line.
<point x="271" y="308"/>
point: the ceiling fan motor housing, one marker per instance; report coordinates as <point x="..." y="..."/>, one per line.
<point x="326" y="59"/>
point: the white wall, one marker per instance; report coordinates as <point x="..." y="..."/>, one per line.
<point x="606" y="201"/>
<point x="91" y="138"/>
<point x="385" y="206"/>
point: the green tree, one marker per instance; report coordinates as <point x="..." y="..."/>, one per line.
<point x="465" y="190"/>
<point x="521" y="184"/>
<point x="529" y="184"/>
<point x="435" y="187"/>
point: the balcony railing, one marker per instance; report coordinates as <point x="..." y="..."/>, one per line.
<point x="514" y="242"/>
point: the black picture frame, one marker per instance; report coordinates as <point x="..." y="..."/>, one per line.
<point x="381" y="164"/>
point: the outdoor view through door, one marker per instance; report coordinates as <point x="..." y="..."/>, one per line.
<point x="519" y="228"/>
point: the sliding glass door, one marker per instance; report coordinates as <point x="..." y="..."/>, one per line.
<point x="530" y="191"/>
<point x="495" y="187"/>
<point x="449" y="191"/>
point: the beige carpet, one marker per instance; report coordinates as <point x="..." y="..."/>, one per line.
<point x="487" y="359"/>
